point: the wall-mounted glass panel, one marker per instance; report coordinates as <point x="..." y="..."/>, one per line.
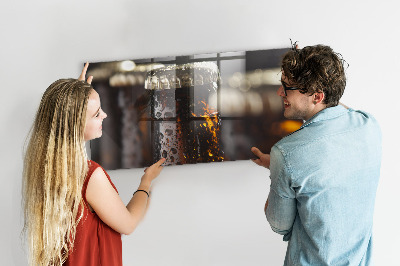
<point x="189" y="109"/>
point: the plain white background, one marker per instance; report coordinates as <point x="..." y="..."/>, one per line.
<point x="210" y="214"/>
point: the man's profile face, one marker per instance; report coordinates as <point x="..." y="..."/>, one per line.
<point x="296" y="104"/>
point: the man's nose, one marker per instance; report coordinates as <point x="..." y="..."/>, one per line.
<point x="280" y="91"/>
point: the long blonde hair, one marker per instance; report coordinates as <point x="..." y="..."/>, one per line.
<point x="55" y="167"/>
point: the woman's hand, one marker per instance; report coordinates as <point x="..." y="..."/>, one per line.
<point x="83" y="74"/>
<point x="153" y="171"/>
<point x="263" y="158"/>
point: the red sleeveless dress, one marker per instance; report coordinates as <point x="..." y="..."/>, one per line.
<point x="95" y="242"/>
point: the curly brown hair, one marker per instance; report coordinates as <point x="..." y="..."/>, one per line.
<point x="316" y="69"/>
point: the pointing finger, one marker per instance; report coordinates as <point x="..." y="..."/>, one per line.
<point x="256" y="152"/>
<point x="161" y="161"/>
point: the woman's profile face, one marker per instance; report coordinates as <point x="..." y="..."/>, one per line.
<point x="94" y="117"/>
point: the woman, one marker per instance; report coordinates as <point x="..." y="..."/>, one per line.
<point x="73" y="213"/>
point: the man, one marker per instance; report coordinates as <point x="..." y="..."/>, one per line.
<point x="323" y="176"/>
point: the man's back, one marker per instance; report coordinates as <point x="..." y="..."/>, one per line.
<point x="330" y="174"/>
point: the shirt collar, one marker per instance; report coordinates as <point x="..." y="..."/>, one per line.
<point x="326" y="114"/>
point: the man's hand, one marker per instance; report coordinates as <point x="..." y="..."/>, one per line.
<point x="263" y="158"/>
<point x="83" y="74"/>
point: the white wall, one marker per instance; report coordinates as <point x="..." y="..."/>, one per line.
<point x="207" y="214"/>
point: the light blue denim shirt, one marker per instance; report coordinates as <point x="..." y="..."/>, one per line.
<point x="323" y="183"/>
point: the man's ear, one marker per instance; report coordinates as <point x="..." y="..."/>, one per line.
<point x="318" y="97"/>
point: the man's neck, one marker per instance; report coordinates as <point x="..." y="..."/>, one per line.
<point x="318" y="108"/>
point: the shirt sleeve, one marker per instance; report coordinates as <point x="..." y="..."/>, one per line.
<point x="281" y="210"/>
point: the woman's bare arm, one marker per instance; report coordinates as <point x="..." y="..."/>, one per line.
<point x="108" y="205"/>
